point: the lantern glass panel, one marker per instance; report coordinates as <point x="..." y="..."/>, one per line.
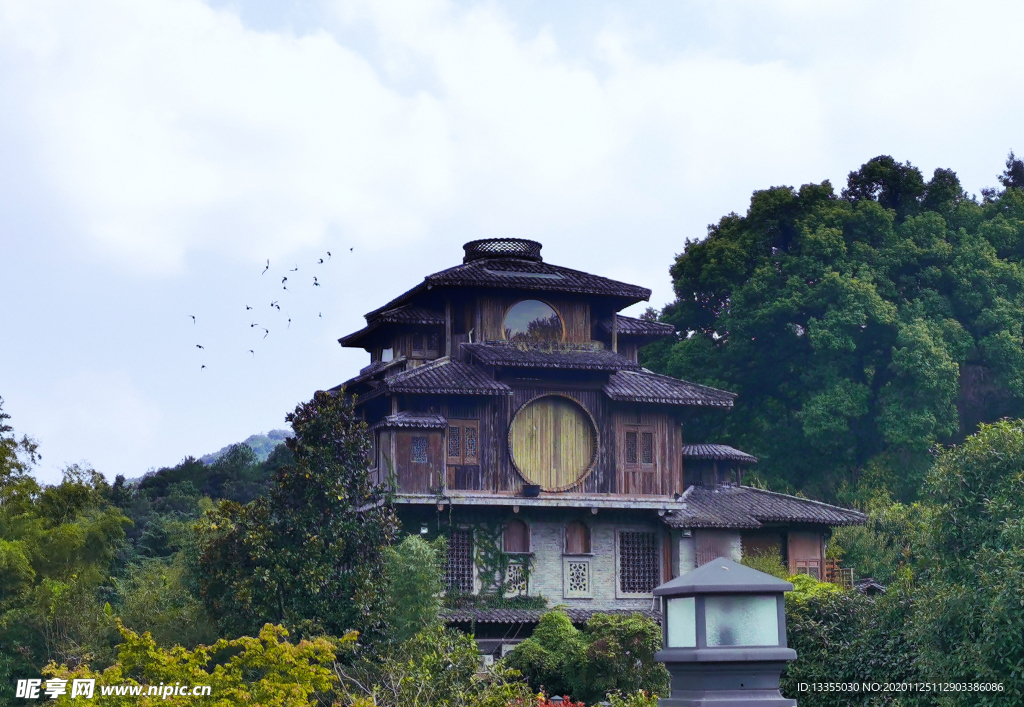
<point x="681" y="615"/>
<point x="741" y="620"/>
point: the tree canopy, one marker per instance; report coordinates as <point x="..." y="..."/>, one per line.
<point x="309" y="554"/>
<point x="858" y="329"/>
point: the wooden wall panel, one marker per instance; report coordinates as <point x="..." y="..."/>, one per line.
<point x="666" y="476"/>
<point x="418" y="477"/>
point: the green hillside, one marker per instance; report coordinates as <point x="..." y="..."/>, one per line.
<point x="261" y="444"/>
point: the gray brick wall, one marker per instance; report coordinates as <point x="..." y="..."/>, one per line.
<point x="546" y="579"/>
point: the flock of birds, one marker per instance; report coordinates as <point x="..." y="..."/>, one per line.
<point x="275" y="304"/>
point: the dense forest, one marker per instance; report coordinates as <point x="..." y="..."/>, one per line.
<point x="860" y="329"/>
<point x="876" y="340"/>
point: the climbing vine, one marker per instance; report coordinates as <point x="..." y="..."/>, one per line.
<point x="492" y="564"/>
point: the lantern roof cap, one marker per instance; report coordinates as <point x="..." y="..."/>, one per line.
<point x="723" y="576"/>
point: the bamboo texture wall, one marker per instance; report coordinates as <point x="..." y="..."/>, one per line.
<point x="553" y="442"/>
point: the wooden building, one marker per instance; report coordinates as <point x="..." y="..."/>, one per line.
<point x="508" y="407"/>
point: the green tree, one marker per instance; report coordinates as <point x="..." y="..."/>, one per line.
<point x="969" y="615"/>
<point x="16" y="456"/>
<point x="267" y="670"/>
<point x="414" y="572"/>
<point x="57" y="546"/>
<point x="857" y="330"/>
<point x="309" y="554"/>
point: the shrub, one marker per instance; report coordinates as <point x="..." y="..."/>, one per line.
<point x="613" y="653"/>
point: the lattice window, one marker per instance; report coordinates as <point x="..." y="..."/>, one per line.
<point x="418" y="450"/>
<point x="458" y="574"/>
<point x="640" y="449"/>
<point x="515" y="579"/>
<point x="577" y="579"/>
<point x="631" y="448"/>
<point x="463" y="441"/>
<point x="808" y="567"/>
<point x="454" y="441"/>
<point x="647" y="447"/>
<point x="639" y="569"/>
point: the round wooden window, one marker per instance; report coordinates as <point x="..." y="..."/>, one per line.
<point x="553" y="440"/>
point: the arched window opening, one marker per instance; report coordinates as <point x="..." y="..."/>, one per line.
<point x="517" y="537"/>
<point x="577" y="538"/>
<point x="532" y="322"/>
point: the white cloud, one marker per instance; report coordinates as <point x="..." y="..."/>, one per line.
<point x="171" y="127"/>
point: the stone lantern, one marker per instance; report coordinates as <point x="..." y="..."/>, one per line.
<point x="724" y="637"/>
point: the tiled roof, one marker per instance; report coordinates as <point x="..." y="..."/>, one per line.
<point x="717" y="451"/>
<point x="398" y="315"/>
<point x="588" y="360"/>
<point x="420" y="420"/>
<point x="521" y="274"/>
<point x="443" y="375"/>
<point x="628" y="326"/>
<point x="370" y="371"/>
<point x="746" y="507"/>
<point x="532" y="616"/>
<point x="643" y="386"/>
<point x="410" y="315"/>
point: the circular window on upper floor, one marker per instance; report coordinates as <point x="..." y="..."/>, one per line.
<point x="533" y="322"/>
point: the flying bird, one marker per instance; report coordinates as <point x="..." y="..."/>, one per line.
<point x="202" y="367"/>
<point x="321" y="315"/>
<point x="315" y="283"/>
<point x="252" y="352"/>
<point x="321" y="261"/>
<point x="328" y="255"/>
<point x="289" y="322"/>
<point x="266" y="332"/>
<point x="295" y="269"/>
<point x="193" y="318"/>
<point x="351" y="249"/>
<point x="284" y="280"/>
<point x="248" y="307"/>
<point x="268" y="266"/>
<point x="254" y="324"/>
<point x="199" y="347"/>
<point x="275" y="304"/>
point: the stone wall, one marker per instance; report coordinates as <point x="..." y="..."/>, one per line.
<point x="548" y="576"/>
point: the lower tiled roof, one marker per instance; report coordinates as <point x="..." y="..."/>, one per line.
<point x="717" y="451"/>
<point x="746" y="507"/>
<point x="582" y="360"/>
<point x="643" y="386"/>
<point x="445" y="376"/>
<point x="532" y="616"/>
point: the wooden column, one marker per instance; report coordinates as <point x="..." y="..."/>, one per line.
<point x="615" y="332"/>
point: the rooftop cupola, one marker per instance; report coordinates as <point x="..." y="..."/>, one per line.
<point x="519" y="248"/>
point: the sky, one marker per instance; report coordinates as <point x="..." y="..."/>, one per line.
<point x="154" y="156"/>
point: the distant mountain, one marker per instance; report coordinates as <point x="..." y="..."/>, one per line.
<point x="262" y="444"/>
